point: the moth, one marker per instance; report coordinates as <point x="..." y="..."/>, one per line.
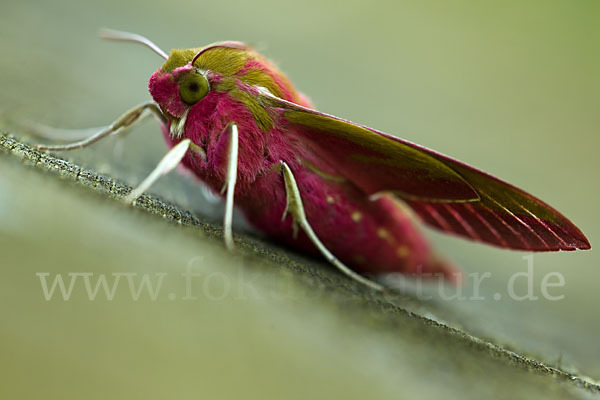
<point x="320" y="183"/>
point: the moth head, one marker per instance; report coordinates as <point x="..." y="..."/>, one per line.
<point x="189" y="75"/>
<point x="180" y="89"/>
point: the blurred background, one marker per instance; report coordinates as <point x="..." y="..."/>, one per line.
<point x="511" y="87"/>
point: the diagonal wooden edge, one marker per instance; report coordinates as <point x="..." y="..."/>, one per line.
<point x="371" y="301"/>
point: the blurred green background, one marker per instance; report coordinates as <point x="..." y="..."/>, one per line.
<point x="511" y="87"/>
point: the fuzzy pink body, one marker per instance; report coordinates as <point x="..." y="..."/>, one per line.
<point x="367" y="235"/>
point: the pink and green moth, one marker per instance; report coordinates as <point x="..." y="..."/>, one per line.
<point x="234" y="120"/>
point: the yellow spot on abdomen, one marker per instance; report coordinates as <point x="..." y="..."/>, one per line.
<point x="382" y="233"/>
<point x="385" y="235"/>
<point x="402" y="251"/>
<point x="356" y="216"/>
<point x="330" y="200"/>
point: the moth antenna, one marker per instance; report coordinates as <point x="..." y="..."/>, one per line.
<point x="111" y="34"/>
<point x="228" y="44"/>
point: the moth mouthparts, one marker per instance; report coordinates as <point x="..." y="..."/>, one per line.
<point x="178" y="125"/>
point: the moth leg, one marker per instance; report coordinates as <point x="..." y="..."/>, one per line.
<point x="169" y="162"/>
<point x="125" y="121"/>
<point x="230" y="181"/>
<point x="296" y="209"/>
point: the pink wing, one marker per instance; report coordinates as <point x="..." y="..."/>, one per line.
<point x="445" y="193"/>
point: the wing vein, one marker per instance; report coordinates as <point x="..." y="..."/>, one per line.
<point x="465" y="224"/>
<point x="499" y="218"/>
<point x="485" y="222"/>
<point x="520" y="221"/>
<point x="439" y="218"/>
<point x="541" y="222"/>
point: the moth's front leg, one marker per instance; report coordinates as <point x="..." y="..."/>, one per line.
<point x="168" y="163"/>
<point x="122" y="123"/>
<point x="295" y="208"/>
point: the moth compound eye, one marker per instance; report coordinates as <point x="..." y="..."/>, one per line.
<point x="193" y="87"/>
